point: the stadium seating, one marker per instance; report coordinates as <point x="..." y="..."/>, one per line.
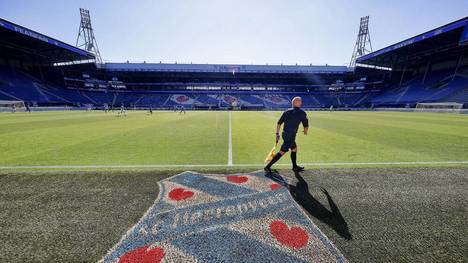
<point x="250" y="101"/>
<point x="438" y="86"/>
<point x="275" y="101"/>
<point x="460" y="96"/>
<point x="207" y="100"/>
<point x="152" y="100"/>
<point x="19" y="86"/>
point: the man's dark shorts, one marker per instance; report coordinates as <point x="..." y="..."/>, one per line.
<point x="289" y="142"/>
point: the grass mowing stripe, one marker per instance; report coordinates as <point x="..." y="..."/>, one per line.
<point x="420" y="142"/>
<point x="55" y="139"/>
<point x="45" y="116"/>
<point x="445" y="129"/>
<point x="32" y="126"/>
<point x="91" y="148"/>
<point x="437" y="117"/>
<point x="371" y="149"/>
<point x="138" y="138"/>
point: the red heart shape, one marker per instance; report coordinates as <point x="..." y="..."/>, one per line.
<point x="143" y="255"/>
<point x="275" y="186"/>
<point x="295" y="237"/>
<point x="238" y="179"/>
<point x="180" y="194"/>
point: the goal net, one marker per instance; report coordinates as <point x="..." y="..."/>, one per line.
<point x="439" y="107"/>
<point x="11" y="105"/>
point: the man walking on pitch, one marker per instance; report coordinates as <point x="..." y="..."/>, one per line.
<point x="291" y="120"/>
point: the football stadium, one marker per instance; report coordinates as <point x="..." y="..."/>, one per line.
<point x="104" y="161"/>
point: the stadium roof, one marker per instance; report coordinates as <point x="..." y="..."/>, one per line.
<point x="452" y="35"/>
<point x="223" y="68"/>
<point x="16" y="37"/>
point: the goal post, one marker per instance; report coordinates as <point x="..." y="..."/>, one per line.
<point x="11" y="105"/>
<point x="449" y="107"/>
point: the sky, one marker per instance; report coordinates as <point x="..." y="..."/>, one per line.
<point x="233" y="32"/>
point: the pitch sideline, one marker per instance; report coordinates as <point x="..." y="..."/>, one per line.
<point x="220" y="165"/>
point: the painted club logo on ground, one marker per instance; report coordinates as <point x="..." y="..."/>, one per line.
<point x="224" y="218"/>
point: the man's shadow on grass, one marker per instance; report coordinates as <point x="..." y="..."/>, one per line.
<point x="300" y="192"/>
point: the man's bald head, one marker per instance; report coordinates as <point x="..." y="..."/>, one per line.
<point x="296" y="102"/>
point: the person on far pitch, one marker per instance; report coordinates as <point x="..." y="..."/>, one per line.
<point x="291" y="119"/>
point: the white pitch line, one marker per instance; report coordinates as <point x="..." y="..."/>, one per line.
<point x="215" y="165"/>
<point x="229" y="163"/>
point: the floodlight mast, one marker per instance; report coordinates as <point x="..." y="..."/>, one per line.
<point x="86" y="39"/>
<point x="363" y="43"/>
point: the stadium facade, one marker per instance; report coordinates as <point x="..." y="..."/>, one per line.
<point x="429" y="68"/>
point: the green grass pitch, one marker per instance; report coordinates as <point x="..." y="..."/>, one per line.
<point x="398" y="212"/>
<point x="199" y="138"/>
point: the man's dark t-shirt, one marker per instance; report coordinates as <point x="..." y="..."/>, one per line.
<point x="291" y="119"/>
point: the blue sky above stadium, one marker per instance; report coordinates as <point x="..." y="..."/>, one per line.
<point x="241" y="31"/>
